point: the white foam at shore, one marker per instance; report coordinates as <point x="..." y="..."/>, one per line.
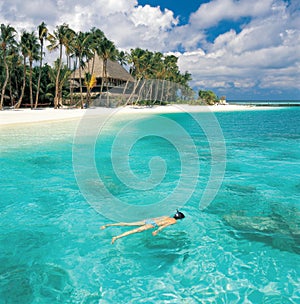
<point x="20" y="116"/>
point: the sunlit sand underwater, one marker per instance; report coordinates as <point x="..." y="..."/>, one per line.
<point x="243" y="248"/>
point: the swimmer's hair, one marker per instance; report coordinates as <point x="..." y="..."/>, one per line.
<point x="178" y="215"/>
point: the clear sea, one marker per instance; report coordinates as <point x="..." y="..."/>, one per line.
<point x="59" y="184"/>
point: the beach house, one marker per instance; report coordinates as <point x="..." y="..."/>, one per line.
<point x="113" y="76"/>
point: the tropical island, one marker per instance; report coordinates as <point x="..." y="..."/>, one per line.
<point x="234" y="175"/>
<point x="88" y="68"/>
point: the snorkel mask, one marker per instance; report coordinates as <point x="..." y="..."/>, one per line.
<point x="178" y="215"/>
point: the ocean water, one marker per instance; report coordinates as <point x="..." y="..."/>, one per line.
<point x="59" y="184"/>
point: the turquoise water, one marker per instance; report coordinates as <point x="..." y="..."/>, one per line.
<point x="243" y="248"/>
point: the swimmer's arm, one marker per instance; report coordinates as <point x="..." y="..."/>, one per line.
<point x="161" y="228"/>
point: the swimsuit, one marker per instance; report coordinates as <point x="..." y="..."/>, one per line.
<point x="151" y="222"/>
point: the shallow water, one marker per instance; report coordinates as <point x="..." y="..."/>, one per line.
<point x="243" y="248"/>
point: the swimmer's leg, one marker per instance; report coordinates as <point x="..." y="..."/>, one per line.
<point x="140" y="229"/>
<point x="140" y="223"/>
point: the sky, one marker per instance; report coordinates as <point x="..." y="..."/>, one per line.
<point x="244" y="50"/>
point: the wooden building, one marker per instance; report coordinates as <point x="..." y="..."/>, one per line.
<point x="116" y="75"/>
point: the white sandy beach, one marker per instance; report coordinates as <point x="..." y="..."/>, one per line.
<point x="21" y="116"/>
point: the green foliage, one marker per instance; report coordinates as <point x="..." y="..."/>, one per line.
<point x="208" y="97"/>
<point x="24" y="76"/>
<point x="7" y="41"/>
<point x="145" y="64"/>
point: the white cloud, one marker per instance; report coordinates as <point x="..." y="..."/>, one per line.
<point x="126" y="23"/>
<point x="149" y="16"/>
<point x="27" y="15"/>
<point x="265" y="52"/>
<point x="211" y="13"/>
<point x="246" y="83"/>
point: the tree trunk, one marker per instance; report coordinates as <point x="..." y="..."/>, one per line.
<point x="80" y="84"/>
<point x="56" y="97"/>
<point x="136" y="84"/>
<point x="18" y="104"/>
<point x="106" y="82"/>
<point x="30" y="83"/>
<point x="72" y="85"/>
<point x="162" y="91"/>
<point x="139" y="94"/>
<point x="149" y="93"/>
<point x="5" y="81"/>
<point x="124" y="91"/>
<point x="39" y="79"/>
<point x="102" y="79"/>
<point x="93" y="64"/>
<point x="10" y="92"/>
<point x="156" y="91"/>
<point x="88" y="95"/>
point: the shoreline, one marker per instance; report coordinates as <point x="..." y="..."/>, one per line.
<point x="28" y="116"/>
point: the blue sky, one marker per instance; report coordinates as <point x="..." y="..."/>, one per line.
<point x="182" y="9"/>
<point x="238" y="48"/>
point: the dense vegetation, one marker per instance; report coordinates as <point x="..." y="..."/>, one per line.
<point x="208" y="97"/>
<point x="25" y="80"/>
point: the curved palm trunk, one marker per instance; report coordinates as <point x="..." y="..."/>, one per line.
<point x="12" y="100"/>
<point x="18" y="104"/>
<point x="5" y="81"/>
<point x="93" y="64"/>
<point x="102" y="80"/>
<point x="106" y="81"/>
<point x="30" y="84"/>
<point x="56" y="98"/>
<point x="124" y="91"/>
<point x="80" y="84"/>
<point x="162" y="91"/>
<point x="39" y="79"/>
<point x="140" y="91"/>
<point x="156" y="91"/>
<point x="88" y="95"/>
<point x="149" y="92"/>
<point x="136" y="84"/>
<point x="72" y="86"/>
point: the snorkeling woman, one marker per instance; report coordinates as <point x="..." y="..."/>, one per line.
<point x="160" y="222"/>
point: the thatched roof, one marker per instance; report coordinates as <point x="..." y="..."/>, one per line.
<point x="114" y="70"/>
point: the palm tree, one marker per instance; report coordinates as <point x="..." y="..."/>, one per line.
<point x="122" y="58"/>
<point x="63" y="77"/>
<point x="24" y="51"/>
<point x="33" y="55"/>
<point x="43" y="33"/>
<point x="81" y="49"/>
<point x="13" y="61"/>
<point x="60" y="37"/>
<point x="97" y="37"/>
<point x="140" y="61"/>
<point x="187" y="92"/>
<point x="158" y="71"/>
<point x="64" y="80"/>
<point x="106" y="50"/>
<point x="7" y="38"/>
<point x="172" y="74"/>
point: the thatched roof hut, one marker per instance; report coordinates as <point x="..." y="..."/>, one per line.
<point x="116" y="74"/>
